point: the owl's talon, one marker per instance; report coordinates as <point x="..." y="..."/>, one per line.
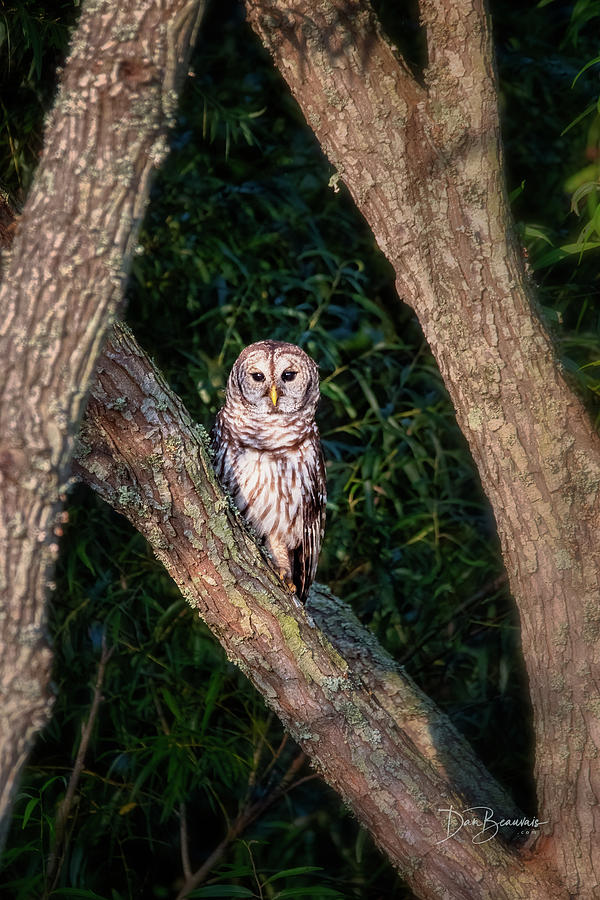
<point x="286" y="580"/>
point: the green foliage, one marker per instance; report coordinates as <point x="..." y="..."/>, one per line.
<point x="247" y="238"/>
<point x="547" y="68"/>
<point x="33" y="41"/>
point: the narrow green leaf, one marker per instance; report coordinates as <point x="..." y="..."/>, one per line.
<point x="29" y="809"/>
<point x="589" y="109"/>
<point x="222" y="890"/>
<point x="562" y="252"/>
<point x="516" y="192"/>
<point x="536" y="232"/>
<point x="588" y="65"/>
<point x="288" y="873"/>
<point x="214" y="688"/>
<point x="582" y="191"/>
<point x="171" y="702"/>
<point x="315" y="891"/>
<point x="82" y="893"/>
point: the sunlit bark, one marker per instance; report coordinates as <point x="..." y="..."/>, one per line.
<point x="62" y="286"/>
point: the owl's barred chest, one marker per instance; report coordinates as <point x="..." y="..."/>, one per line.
<point x="269" y="489"/>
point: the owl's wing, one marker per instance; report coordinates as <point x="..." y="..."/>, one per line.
<point x="306" y="556"/>
<point x="220" y="443"/>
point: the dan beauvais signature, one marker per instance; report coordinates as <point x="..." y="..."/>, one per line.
<point x="482" y="818"/>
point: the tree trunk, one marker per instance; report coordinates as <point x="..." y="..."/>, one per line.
<point x="394" y="759"/>
<point x="62" y="287"/>
<point x="424" y="166"/>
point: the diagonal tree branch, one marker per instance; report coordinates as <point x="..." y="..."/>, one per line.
<point x="373" y="736"/>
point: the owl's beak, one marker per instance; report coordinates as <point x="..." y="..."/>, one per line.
<point x="273" y="395"/>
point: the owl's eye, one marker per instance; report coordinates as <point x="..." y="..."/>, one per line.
<point x="288" y="376"/>
<point x="258" y="376"/>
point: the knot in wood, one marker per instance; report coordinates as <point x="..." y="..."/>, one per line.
<point x="134" y="72"/>
<point x="13" y="463"/>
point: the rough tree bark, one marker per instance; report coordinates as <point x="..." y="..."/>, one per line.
<point x="424" y="166"/>
<point x="61" y="289"/>
<point x="394" y="758"/>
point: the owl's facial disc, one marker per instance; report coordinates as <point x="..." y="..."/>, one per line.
<point x="277" y="379"/>
<point x="277" y="385"/>
<point x="293" y="380"/>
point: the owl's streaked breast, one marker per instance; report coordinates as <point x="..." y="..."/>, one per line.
<point x="269" y="492"/>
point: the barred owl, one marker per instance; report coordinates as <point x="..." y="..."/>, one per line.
<point x="268" y="455"/>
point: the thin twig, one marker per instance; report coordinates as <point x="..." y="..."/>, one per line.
<point x="479" y="595"/>
<point x="256" y="878"/>
<point x="183" y="840"/>
<point x="300" y="781"/>
<point x="247" y="815"/>
<point x="258" y="753"/>
<point x="57" y="853"/>
<point x="276" y="755"/>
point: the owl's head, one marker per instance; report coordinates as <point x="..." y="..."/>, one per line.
<point x="273" y="378"/>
